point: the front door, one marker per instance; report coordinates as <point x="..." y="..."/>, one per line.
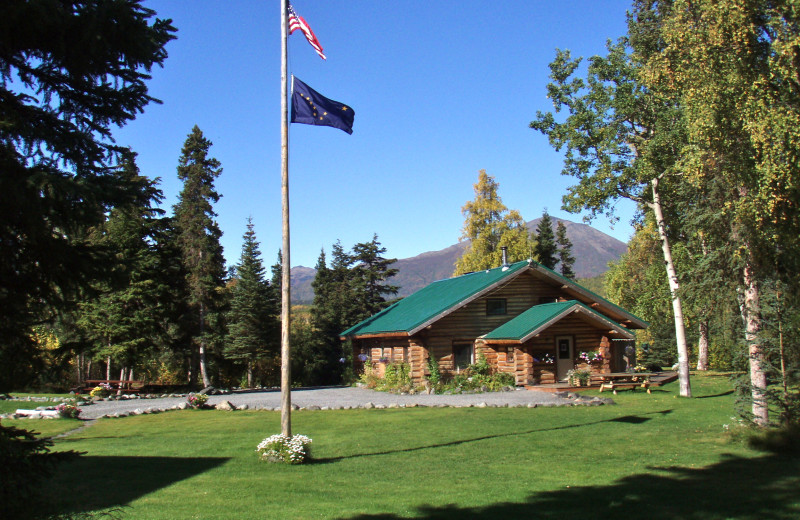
<point x="564" y="362"/>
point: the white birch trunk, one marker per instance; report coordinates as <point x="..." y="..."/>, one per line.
<point x="672" y="278"/>
<point x="203" y="362"/>
<point x="702" y="346"/>
<point x="751" y="314"/>
<point x="121" y="378"/>
<point x="108" y="366"/>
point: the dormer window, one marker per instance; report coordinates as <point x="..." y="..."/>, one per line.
<point x="496" y="307"/>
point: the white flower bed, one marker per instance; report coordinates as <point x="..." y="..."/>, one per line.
<point x="280" y="448"/>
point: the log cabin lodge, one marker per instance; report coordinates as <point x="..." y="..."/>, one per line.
<point x="524" y="318"/>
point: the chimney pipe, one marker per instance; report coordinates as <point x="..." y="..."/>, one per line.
<point x="504" y="249"/>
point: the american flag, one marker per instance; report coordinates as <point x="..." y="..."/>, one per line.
<point x="297" y="22"/>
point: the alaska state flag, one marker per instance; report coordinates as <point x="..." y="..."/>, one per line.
<point x="309" y="107"/>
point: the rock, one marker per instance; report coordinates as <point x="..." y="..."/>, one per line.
<point x="209" y="390"/>
<point x="225" y="405"/>
<point x="482" y="404"/>
<point x="313" y="407"/>
<point x="369" y="405"/>
<point x="380" y="406"/>
<point x="393" y="405"/>
<point x="137" y="411"/>
<point x="243" y="407"/>
<point x="294" y="407"/>
<point x="183" y="406"/>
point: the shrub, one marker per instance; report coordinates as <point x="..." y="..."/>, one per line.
<point x="101" y="390"/>
<point x="68" y="411"/>
<point x="369" y="377"/>
<point x="434" y="375"/>
<point x="197" y="400"/>
<point x="26" y="461"/>
<point x="579" y="377"/>
<point x="481" y="367"/>
<point x="283" y="449"/>
<point x="397" y="376"/>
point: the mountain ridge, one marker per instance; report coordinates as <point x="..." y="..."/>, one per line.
<point x="592" y="249"/>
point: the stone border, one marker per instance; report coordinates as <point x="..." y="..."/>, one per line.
<point x="575" y="398"/>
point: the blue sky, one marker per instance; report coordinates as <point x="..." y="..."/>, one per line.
<point x="440" y="89"/>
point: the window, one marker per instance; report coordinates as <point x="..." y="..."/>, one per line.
<point x="495" y="306"/>
<point x="462" y="355"/>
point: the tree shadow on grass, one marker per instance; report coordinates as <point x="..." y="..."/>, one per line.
<point x="630" y="419"/>
<point x="764" y="488"/>
<point x="729" y="392"/>
<point x="91" y="483"/>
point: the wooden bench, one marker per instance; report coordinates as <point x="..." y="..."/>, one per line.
<point x="630" y="380"/>
<point x="118" y="386"/>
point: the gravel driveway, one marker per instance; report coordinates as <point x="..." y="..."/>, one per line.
<point x="341" y="397"/>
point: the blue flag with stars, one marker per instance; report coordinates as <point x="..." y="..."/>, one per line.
<point x="309" y="107"/>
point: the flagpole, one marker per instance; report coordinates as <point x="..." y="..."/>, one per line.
<point x="286" y="375"/>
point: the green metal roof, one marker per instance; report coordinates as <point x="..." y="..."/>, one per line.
<point x="586" y="292"/>
<point x="539" y="317"/>
<point x="429" y="303"/>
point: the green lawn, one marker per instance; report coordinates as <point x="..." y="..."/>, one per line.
<point x="8" y="406"/>
<point x="653" y="456"/>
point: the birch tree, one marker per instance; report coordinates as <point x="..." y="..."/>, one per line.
<point x="620" y="142"/>
<point x="733" y="67"/>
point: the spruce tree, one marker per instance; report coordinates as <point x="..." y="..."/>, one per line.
<point x="68" y="76"/>
<point x="335" y="305"/>
<point x="251" y="318"/>
<point x="546" y="249"/>
<point x="124" y="316"/>
<point x="353" y="288"/>
<point x="565" y="258"/>
<point x="371" y="272"/>
<point x="198" y="239"/>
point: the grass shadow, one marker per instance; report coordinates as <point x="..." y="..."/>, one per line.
<point x="106" y="482"/>
<point x="723" y="394"/>
<point x="631" y="419"/>
<point x="741" y="488"/>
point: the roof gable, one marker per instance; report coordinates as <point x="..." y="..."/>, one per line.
<point x="540" y="317"/>
<point x="580" y="291"/>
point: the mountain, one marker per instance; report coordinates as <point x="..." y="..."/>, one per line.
<point x="592" y="249"/>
